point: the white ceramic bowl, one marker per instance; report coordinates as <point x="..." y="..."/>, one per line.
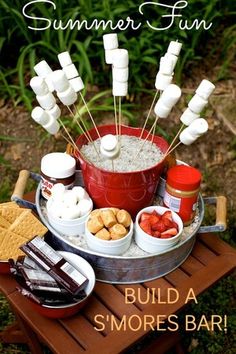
<point x="110" y="247"/>
<point x="69" y="227"/>
<point x="152" y="244"/>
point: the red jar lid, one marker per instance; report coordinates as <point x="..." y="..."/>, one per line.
<point x="184" y="178"/>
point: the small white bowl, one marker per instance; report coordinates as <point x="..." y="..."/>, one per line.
<point x="69" y="227"/>
<point x="152" y="244"/>
<point x="110" y="247"/>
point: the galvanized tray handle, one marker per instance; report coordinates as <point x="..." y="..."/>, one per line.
<point x="221" y="213"/>
<point x="18" y="193"/>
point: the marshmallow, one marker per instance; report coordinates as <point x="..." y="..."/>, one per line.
<point x="188" y="116"/>
<point x="173" y="58"/>
<point x="56" y="209"/>
<point x="80" y="193"/>
<point x="40" y="116"/>
<point x="198" y="127"/>
<point x="170" y="95"/>
<point x="70" y="213"/>
<point x="69" y="198"/>
<point x="186" y="138"/>
<point x="109" y="53"/>
<point x="161" y="110"/>
<point x="109" y="142"/>
<point x="205" y="89"/>
<point x="64" y="59"/>
<point x="39" y="85"/>
<point x="58" y="191"/>
<point x="121" y="58"/>
<point x="110" y="41"/>
<point x="77" y="84"/>
<point x="46" y="101"/>
<point x="109" y="146"/>
<point x="174" y="48"/>
<point x="120" y="74"/>
<point x="55" y="112"/>
<point x="68" y="96"/>
<point x="42" y="69"/>
<point x="166" y="65"/>
<point x="85" y="206"/>
<point x="52" y="126"/>
<point x="70" y="71"/>
<point x="162" y="81"/>
<point x="197" y="103"/>
<point x="119" y="88"/>
<point x="60" y="81"/>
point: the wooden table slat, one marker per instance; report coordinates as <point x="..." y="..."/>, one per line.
<point x="177" y="277"/>
<point x="203" y="253"/>
<point x="191" y="265"/>
<point x="134" y="292"/>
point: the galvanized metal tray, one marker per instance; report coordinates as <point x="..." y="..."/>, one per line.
<point x="132" y="267"/>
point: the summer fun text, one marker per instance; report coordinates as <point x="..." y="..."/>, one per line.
<point x="172" y="17"/>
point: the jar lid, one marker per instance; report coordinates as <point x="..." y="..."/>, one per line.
<point x="184" y="178"/>
<point x="58" y="165"/>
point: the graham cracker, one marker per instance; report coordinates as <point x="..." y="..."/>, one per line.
<point x="27" y="225"/>
<point x="4" y="223"/>
<point x="11" y="214"/>
<point x="9" y="247"/>
<point x="9" y="205"/>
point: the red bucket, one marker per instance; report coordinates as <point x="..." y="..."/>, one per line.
<point x="126" y="190"/>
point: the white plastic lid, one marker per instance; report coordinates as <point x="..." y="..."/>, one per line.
<point x="58" y="165"/>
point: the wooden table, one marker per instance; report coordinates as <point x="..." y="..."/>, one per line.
<point x="210" y="260"/>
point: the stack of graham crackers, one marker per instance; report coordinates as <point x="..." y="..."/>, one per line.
<point x="17" y="226"/>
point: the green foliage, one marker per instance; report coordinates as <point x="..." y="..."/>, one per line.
<point x="145" y="45"/>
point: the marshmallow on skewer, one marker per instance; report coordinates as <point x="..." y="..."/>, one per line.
<point x="188" y="116"/>
<point x="60" y="81"/>
<point x="166" y="65"/>
<point x="64" y="59"/>
<point x="55" y="112"/>
<point x="110" y="41"/>
<point x="121" y="58"/>
<point x="46" y="101"/>
<point x="109" y="54"/>
<point x="43" y="70"/>
<point x="120" y="74"/>
<point x="161" y="110"/>
<point x="39" y="85"/>
<point x="109" y="146"/>
<point x="205" y="89"/>
<point x="198" y="127"/>
<point x="52" y="127"/>
<point x="40" y="116"/>
<point x="67" y="97"/>
<point x="70" y="71"/>
<point x="174" y="48"/>
<point x="186" y="138"/>
<point x="77" y="84"/>
<point x="162" y="81"/>
<point x="119" y="89"/>
<point x="197" y="103"/>
<point x="171" y="95"/>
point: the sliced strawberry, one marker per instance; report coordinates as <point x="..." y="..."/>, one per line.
<point x="156" y="234"/>
<point x="144" y="216"/>
<point x="173" y="231"/>
<point x="145" y="226"/>
<point x="175" y="225"/>
<point x="159" y="226"/>
<point x="153" y="219"/>
<point x="156" y="213"/>
<point x="167" y="215"/>
<point x="166" y="236"/>
<point x="167" y="223"/>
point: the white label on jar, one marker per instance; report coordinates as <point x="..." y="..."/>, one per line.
<point x="172" y="202"/>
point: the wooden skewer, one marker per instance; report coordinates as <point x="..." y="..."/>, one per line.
<point x="154" y="130"/>
<point x="90" y="115"/>
<point x="149" y="113"/>
<point x="115" y="113"/>
<point x="68" y="134"/>
<point x="170" y="151"/>
<point x="119" y="122"/>
<point x="144" y="141"/>
<point x="176" y="136"/>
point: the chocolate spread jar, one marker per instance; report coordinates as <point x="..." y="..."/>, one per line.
<point x="57" y="167"/>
